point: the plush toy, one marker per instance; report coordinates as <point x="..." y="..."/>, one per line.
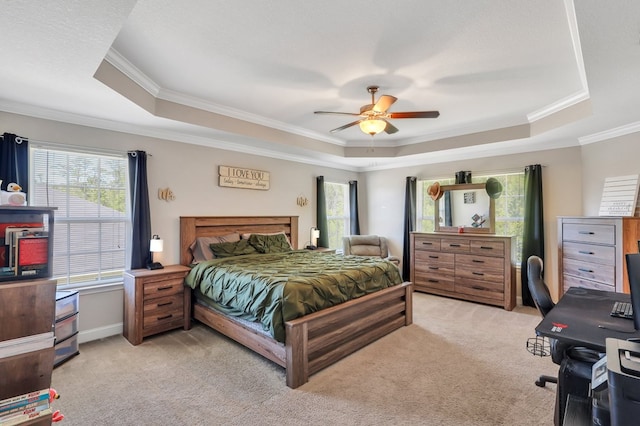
<point x="57" y="415"/>
<point x="13" y="196"/>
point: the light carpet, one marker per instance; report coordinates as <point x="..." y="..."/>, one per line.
<point x="459" y="363"/>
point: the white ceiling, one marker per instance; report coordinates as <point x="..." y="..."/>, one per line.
<point x="246" y="75"/>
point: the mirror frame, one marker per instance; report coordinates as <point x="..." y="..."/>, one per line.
<point x="467" y="229"/>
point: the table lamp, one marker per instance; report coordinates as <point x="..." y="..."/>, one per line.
<point x="156" y="245"/>
<point x="314" y="234"/>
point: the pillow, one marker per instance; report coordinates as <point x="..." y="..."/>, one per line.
<point x="247" y="236"/>
<point x="274" y="243"/>
<point x="229" y="249"/>
<point x="200" y="248"/>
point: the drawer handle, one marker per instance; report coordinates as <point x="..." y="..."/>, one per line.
<point x="478" y="273"/>
<point x="477" y="287"/>
<point x="433" y="281"/>
<point x="590" y="271"/>
<point x="165" y="304"/>
<point x="434" y="257"/>
<point x="454" y="245"/>
<point x="168" y="287"/>
<point x="427" y="243"/>
<point x="165" y="317"/>
<point x="586" y="232"/>
<point x="435" y="268"/>
<point x="486" y="248"/>
<point x="585" y="252"/>
<point x="477" y="261"/>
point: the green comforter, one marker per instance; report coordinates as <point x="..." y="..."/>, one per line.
<point x="278" y="287"/>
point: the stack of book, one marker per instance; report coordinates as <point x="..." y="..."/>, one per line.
<point x="26" y="407"/>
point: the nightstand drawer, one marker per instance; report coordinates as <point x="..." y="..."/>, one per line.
<point x="164" y="287"/>
<point x="169" y="311"/>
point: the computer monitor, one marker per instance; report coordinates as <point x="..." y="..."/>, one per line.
<point x="633" y="271"/>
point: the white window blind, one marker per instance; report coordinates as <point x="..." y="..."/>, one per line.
<point x="337" y="201"/>
<point x="89" y="192"/>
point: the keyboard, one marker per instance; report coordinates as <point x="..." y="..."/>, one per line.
<point x="622" y="310"/>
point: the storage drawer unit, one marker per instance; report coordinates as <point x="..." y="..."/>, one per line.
<point x="591" y="251"/>
<point x="66" y="349"/>
<point x="66" y="326"/>
<point x="473" y="267"/>
<point x="155" y="301"/>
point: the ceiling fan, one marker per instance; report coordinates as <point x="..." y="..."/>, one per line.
<point x="374" y="116"/>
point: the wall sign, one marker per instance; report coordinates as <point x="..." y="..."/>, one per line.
<point x="619" y="196"/>
<point x="238" y="177"/>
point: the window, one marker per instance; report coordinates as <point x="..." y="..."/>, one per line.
<point x="89" y="191"/>
<point x="337" y="198"/>
<point x="509" y="207"/>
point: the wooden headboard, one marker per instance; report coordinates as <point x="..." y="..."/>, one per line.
<point x="192" y="227"/>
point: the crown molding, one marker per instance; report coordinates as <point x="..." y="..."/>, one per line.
<point x="610" y="134"/>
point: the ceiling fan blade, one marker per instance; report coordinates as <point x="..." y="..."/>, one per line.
<point x="346" y="126"/>
<point x="384" y="103"/>
<point x="336" y="112"/>
<point x="390" y="129"/>
<point x="415" y="114"/>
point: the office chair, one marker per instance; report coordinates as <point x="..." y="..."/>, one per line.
<point x="575" y="362"/>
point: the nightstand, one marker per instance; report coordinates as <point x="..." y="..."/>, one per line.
<point x="155" y="301"/>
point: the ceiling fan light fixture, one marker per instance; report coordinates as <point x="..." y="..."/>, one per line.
<point x="372" y="126"/>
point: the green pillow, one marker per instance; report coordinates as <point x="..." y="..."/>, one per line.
<point x="236" y="248"/>
<point x="274" y="243"/>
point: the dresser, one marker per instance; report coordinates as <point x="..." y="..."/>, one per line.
<point x="477" y="268"/>
<point x="591" y="251"/>
<point x="155" y="301"/>
<point x="26" y="343"/>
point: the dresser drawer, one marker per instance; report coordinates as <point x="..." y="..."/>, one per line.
<point x="478" y="288"/>
<point x="455" y="246"/>
<point x="426" y="281"/>
<point x="480" y="268"/>
<point x="429" y="244"/>
<point x="428" y="260"/>
<point x="487" y="248"/>
<point x="590" y="271"/>
<point x="588" y="233"/>
<point x="170" y="284"/>
<point x="572" y="281"/>
<point x="605" y="255"/>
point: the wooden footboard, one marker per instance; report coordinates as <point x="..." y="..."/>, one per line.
<point x="318" y="340"/>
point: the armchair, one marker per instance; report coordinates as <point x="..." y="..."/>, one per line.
<point x="368" y="245"/>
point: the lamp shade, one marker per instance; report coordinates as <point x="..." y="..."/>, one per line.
<point x="156" y="245"/>
<point x="314" y="234"/>
<point x="372" y="126"/>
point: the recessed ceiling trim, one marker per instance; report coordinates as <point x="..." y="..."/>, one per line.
<point x="610" y="134"/>
<point x="558" y="106"/>
<point x="127" y="68"/>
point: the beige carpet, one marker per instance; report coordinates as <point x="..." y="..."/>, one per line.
<point x="459" y="364"/>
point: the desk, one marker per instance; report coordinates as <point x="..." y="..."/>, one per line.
<point x="581" y="317"/>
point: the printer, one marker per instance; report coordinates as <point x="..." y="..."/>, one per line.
<point x="623" y="381"/>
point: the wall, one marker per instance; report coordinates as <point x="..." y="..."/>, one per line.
<point x="191" y="171"/>
<point x="615" y="157"/>
<point x="562" y="176"/>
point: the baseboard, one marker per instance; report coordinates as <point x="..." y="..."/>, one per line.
<point x="100" y="332"/>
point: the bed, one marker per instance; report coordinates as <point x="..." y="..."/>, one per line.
<point x="314" y="341"/>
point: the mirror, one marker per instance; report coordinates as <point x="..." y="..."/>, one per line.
<point x="466" y="205"/>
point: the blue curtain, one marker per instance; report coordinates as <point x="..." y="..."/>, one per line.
<point x="533" y="232"/>
<point x="321" y="213"/>
<point x="14" y="161"/>
<point x="409" y="224"/>
<point x="354" y="220"/>
<point x="140" y="212"/>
